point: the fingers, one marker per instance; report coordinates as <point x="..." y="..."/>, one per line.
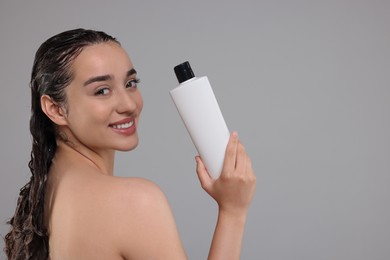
<point x="231" y="153"/>
<point x="237" y="160"/>
<point x="250" y="171"/>
<point x="233" y="191"/>
<point x="204" y="177"/>
<point x="242" y="159"/>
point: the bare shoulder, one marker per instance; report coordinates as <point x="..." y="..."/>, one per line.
<point x="138" y="190"/>
<point x="134" y="196"/>
<point x="94" y="216"/>
<point x="122" y="197"/>
<point x="143" y="223"/>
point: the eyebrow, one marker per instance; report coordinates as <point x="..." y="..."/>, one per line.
<point x="131" y="72"/>
<point x="107" y="77"/>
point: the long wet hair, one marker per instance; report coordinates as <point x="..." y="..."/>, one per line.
<point x="51" y="74"/>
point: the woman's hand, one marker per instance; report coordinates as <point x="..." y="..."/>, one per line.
<point x="234" y="189"/>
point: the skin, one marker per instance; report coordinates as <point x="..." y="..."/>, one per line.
<point x="90" y="213"/>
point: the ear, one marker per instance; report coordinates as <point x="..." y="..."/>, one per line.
<point x="55" y="112"/>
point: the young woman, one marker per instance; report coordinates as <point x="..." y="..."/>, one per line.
<point x="85" y="106"/>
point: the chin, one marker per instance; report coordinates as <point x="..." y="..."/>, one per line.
<point x="128" y="147"/>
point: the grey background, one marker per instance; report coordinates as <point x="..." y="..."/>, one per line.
<point x="305" y="83"/>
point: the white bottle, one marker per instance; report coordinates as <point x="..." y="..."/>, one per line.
<point x="200" y="112"/>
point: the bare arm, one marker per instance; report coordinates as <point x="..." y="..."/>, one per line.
<point x="233" y="192"/>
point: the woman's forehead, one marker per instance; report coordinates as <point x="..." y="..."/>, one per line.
<point x="102" y="58"/>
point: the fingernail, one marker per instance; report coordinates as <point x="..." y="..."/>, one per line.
<point x="235" y="134"/>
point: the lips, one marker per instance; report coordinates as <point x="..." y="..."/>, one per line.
<point x="124" y="127"/>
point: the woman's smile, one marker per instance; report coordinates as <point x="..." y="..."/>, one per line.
<point x="124" y="127"/>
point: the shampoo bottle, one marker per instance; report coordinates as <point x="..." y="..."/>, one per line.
<point x="200" y="112"/>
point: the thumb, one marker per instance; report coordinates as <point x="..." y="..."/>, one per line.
<point x="203" y="175"/>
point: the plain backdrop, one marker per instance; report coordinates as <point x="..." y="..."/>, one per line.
<point x="305" y="84"/>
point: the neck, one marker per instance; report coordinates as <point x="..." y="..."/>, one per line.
<point x="101" y="160"/>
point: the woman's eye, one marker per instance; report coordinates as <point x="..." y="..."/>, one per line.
<point x="102" y="92"/>
<point x="132" y="83"/>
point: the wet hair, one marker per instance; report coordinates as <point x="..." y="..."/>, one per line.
<point x="51" y="74"/>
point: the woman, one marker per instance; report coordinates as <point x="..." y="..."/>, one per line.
<point x="85" y="106"/>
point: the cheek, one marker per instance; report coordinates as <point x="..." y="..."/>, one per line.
<point x="87" y="114"/>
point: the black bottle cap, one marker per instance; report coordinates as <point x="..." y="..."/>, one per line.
<point x="184" y="72"/>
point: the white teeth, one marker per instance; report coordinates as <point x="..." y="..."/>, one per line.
<point x="123" y="126"/>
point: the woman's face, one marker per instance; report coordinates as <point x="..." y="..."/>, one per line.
<point x="103" y="102"/>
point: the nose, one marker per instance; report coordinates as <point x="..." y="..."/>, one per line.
<point x="125" y="102"/>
